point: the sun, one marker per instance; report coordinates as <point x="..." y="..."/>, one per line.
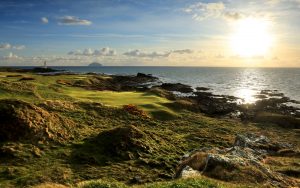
<point x="251" y="38"/>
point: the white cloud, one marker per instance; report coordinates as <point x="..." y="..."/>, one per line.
<point x="105" y="52"/>
<point x="11" y="56"/>
<point x="72" y="20"/>
<point x="19" y="47"/>
<point x="138" y="53"/>
<point x="185" y="51"/>
<point x="44" y="20"/>
<point x="202" y="11"/>
<point x="5" y="46"/>
<point x="89" y="52"/>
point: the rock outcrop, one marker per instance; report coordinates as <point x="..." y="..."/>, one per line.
<point x="177" y="87"/>
<point x="244" y="162"/>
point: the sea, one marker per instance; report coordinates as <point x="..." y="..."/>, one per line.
<point x="245" y="83"/>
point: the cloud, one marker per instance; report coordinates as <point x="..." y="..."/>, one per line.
<point x="11" y="56"/>
<point x="72" y="20"/>
<point x="5" y="46"/>
<point x="19" y="47"/>
<point x="138" y="53"/>
<point x="105" y="52"/>
<point x="231" y="15"/>
<point x="274" y="2"/>
<point x="202" y="11"/>
<point x="44" y="20"/>
<point x="89" y="52"/>
<point x="185" y="51"/>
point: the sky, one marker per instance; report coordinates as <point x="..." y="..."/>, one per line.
<point x="228" y="33"/>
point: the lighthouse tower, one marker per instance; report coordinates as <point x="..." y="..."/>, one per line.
<point x="45" y="64"/>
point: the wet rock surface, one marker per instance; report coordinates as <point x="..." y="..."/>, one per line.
<point x="244" y="161"/>
<point x="211" y="104"/>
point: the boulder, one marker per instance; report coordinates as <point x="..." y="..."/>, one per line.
<point x="188" y="172"/>
<point x="243" y="162"/>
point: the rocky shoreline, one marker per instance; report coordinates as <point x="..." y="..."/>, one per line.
<point x="271" y="105"/>
<point x="58" y="123"/>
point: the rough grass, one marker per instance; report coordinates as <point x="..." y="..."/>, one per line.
<point x="199" y="182"/>
<point x="47" y="88"/>
<point x="94" y="114"/>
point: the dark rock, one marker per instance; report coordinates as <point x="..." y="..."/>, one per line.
<point x="202" y="89"/>
<point x="214" y="105"/>
<point x="142" y="75"/>
<point x="177" y="87"/>
<point x="43" y="70"/>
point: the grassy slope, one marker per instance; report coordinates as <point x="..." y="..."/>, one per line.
<point x="78" y="159"/>
<point x="46" y="88"/>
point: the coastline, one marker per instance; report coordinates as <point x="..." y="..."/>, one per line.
<point x="135" y="130"/>
<point x="236" y="82"/>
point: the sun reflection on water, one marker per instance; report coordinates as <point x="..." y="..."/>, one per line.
<point x="247" y="95"/>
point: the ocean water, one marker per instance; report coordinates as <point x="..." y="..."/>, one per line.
<point x="240" y="82"/>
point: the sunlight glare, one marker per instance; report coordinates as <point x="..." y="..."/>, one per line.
<point x="251" y="38"/>
<point x="247" y="95"/>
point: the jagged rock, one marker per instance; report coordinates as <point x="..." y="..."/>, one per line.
<point x="261" y="144"/>
<point x="244" y="162"/>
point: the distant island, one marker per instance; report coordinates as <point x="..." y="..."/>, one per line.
<point x="95" y="64"/>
